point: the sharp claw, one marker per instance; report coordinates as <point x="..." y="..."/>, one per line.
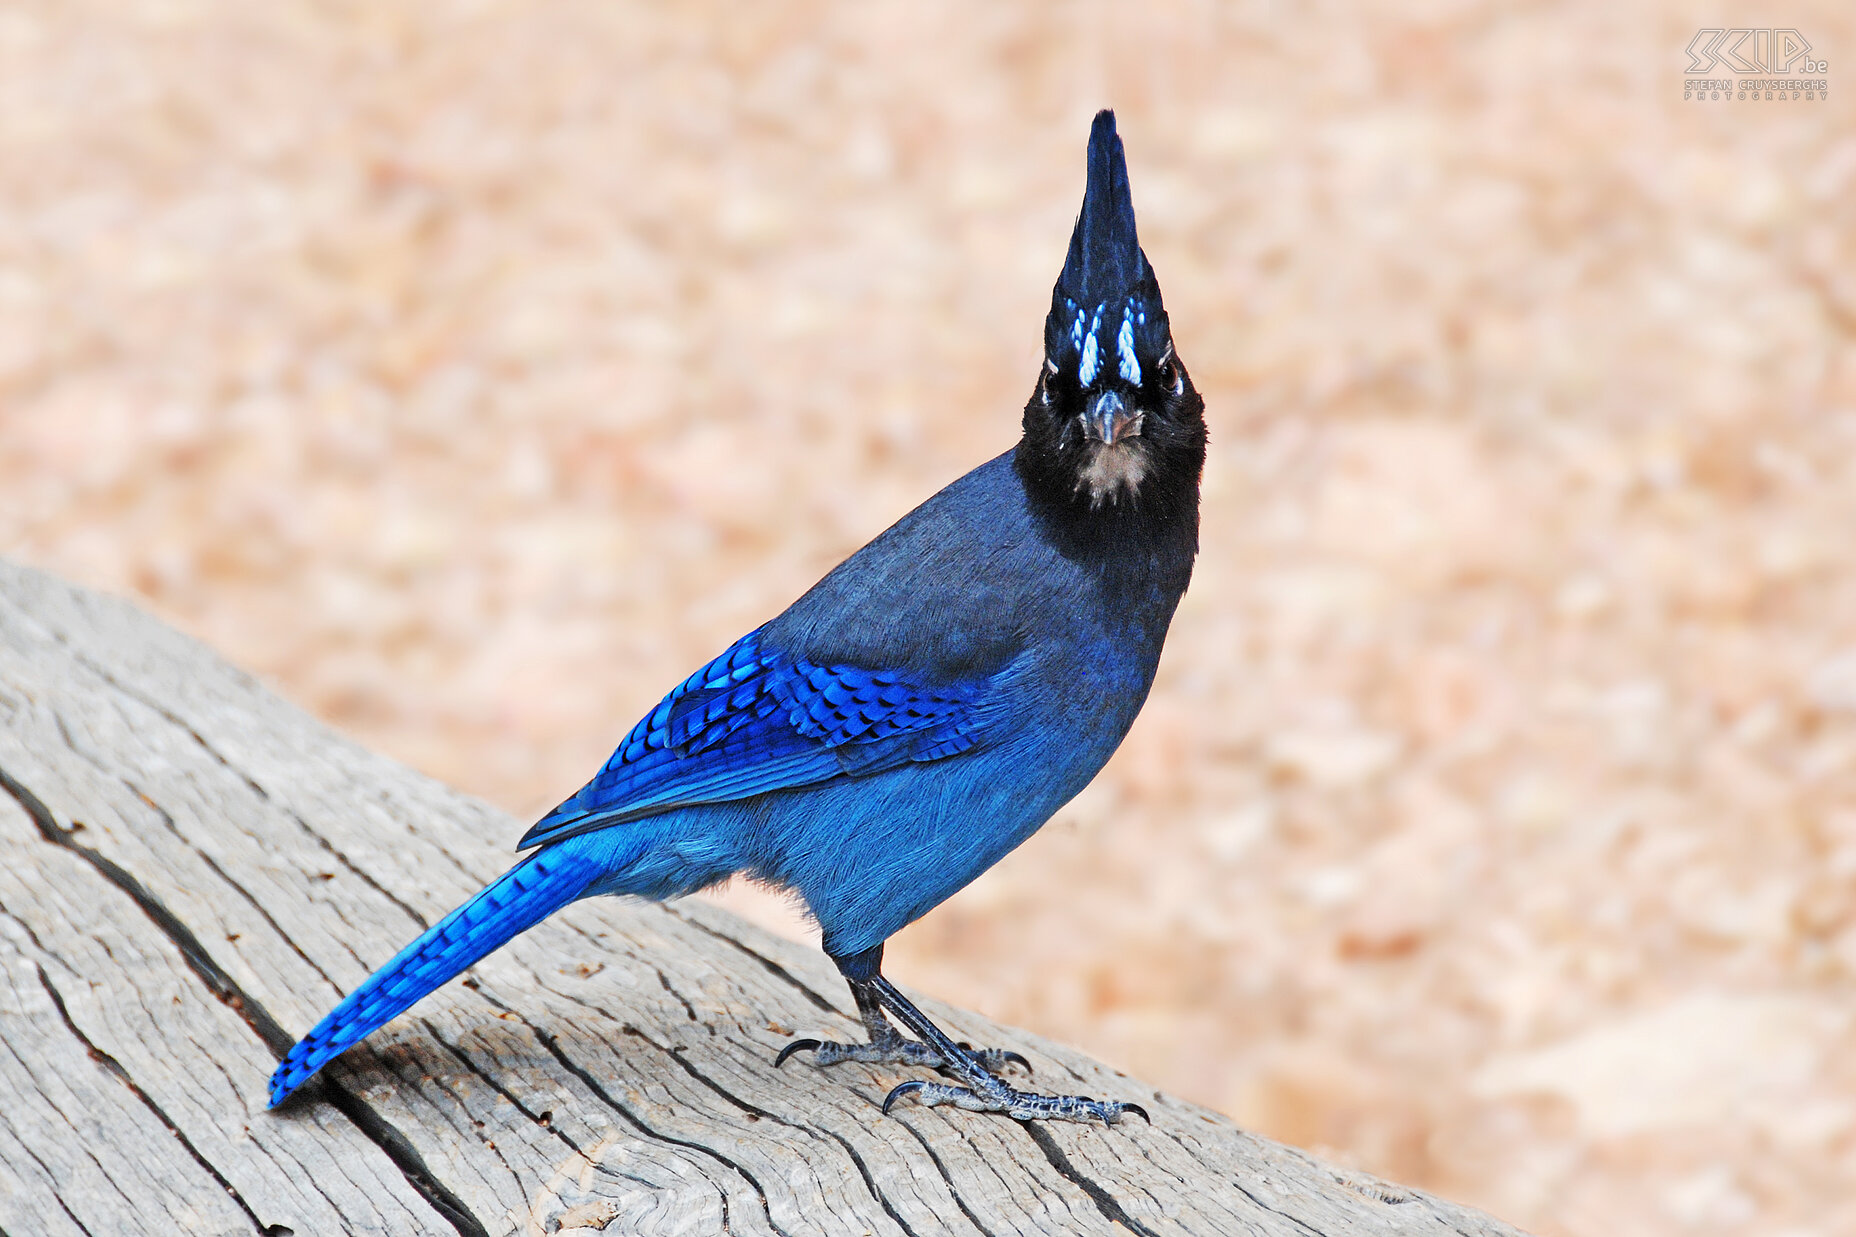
<point x="899" y="1091"/>
<point x="1010" y="1058"/>
<point x="1128" y="1108"/>
<point x="798" y="1045"/>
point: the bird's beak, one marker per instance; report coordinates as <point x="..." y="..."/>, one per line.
<point x="1109" y="419"/>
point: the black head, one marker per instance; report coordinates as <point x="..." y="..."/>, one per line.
<point x="1114" y="422"/>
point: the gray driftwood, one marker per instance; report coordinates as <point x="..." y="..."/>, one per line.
<point x="195" y="871"/>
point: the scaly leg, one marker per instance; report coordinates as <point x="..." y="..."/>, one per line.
<point x="887" y="1046"/>
<point x="979" y="1090"/>
<point x="983" y="1092"/>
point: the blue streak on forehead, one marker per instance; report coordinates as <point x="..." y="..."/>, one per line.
<point x="1076" y="326"/>
<point x="1124" y="349"/>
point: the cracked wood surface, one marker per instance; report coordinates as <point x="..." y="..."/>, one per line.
<point x="197" y="870"/>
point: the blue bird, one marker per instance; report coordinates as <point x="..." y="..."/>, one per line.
<point x="919" y="712"/>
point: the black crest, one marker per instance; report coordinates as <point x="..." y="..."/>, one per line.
<point x="1105" y="259"/>
<point x="1105" y="275"/>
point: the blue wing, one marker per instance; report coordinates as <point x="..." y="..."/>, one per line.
<point x="756" y="720"/>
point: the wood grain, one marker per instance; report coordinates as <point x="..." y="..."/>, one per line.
<point x="197" y="870"/>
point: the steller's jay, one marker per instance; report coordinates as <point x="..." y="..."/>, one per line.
<point x="921" y="711"/>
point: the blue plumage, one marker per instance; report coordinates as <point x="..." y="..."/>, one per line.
<point x="922" y="709"/>
<point x="526" y="894"/>
<point x="757" y="720"/>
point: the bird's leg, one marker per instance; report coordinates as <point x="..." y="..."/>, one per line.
<point x="983" y="1092"/>
<point x="976" y="1069"/>
<point x="887" y="1045"/>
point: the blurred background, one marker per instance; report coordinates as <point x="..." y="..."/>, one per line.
<point x="472" y="370"/>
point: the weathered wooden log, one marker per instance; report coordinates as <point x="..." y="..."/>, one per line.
<point x="197" y="870"/>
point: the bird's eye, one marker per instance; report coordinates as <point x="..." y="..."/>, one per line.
<point x="1171" y="377"/>
<point x="1050" y="371"/>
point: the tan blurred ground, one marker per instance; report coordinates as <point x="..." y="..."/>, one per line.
<point x="472" y="370"/>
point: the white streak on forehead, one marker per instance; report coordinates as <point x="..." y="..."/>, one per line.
<point x="1086" y="372"/>
<point x="1124" y="349"/>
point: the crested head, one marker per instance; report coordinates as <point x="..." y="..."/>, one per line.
<point x="1105" y="260"/>
<point x="1114" y="422"/>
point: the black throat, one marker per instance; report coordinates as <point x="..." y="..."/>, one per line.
<point x="1153" y="531"/>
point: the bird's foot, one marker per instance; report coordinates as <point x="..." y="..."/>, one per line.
<point x="895" y="1050"/>
<point x="988" y="1094"/>
<point x="976" y="1086"/>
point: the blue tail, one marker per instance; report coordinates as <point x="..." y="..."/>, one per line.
<point x="520" y="898"/>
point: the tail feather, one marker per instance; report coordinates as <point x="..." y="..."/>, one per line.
<point x="518" y="899"/>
